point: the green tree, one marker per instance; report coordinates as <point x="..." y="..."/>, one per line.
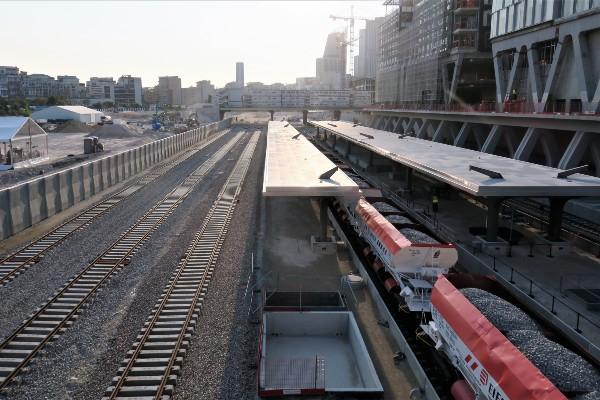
<point x="51" y="101"/>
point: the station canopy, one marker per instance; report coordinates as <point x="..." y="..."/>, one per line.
<point x="480" y="174"/>
<point x="295" y="167"/>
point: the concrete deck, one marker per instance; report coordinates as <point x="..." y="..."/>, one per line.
<point x="289" y="264"/>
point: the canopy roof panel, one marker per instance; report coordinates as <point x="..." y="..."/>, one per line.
<point x="451" y="164"/>
<point x="293" y="166"/>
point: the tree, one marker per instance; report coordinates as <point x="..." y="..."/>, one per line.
<point x="108" y="104"/>
<point x="40" y="101"/>
<point x="51" y="101"/>
<point x="97" y="105"/>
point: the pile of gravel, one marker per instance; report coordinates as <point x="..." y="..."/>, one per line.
<point x="398" y="219"/>
<point x="568" y="371"/>
<point x="502" y="314"/>
<point x="385" y="207"/>
<point x="416" y="236"/>
<point x="114" y="131"/>
<point x="595" y="395"/>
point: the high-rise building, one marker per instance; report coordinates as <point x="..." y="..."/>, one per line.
<point x="239" y="74"/>
<point x="100" y="90"/>
<point x="546" y="55"/>
<point x="128" y="91"/>
<point x="365" y="63"/>
<point x="331" y="68"/>
<point x="169" y="90"/>
<point x="435" y="51"/>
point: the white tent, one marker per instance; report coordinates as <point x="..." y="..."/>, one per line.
<point x="67" y="113"/>
<point x="22" y="142"/>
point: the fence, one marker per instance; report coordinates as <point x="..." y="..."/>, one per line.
<point x="30" y="202"/>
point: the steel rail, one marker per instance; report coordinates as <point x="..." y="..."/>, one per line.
<point x="148" y="370"/>
<point x="53" y="316"/>
<point x="15" y="264"/>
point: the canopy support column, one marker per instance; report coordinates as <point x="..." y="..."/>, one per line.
<point x="557" y="204"/>
<point x="493" y="206"/>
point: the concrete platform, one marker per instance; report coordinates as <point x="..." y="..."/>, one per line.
<point x="287" y="263"/>
<point x="295" y="167"/>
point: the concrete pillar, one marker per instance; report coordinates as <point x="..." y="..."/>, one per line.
<point x="493" y="206"/>
<point x="557" y="204"/>
<point x="409" y="179"/>
<point x="272" y="114"/>
<point x="305" y="117"/>
<point x="337" y="114"/>
<point x="221" y="115"/>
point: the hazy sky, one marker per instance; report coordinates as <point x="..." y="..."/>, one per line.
<point x="277" y="40"/>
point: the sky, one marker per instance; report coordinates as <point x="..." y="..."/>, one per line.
<point x="195" y="40"/>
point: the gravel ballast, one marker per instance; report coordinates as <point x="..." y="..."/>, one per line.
<point x="81" y="363"/>
<point x="21" y="297"/>
<point x="220" y="362"/>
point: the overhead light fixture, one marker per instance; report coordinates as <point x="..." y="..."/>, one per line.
<point x="488" y="172"/>
<point x="568" y="172"/>
<point x="328" y="174"/>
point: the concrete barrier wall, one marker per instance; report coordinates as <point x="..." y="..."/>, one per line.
<point x="32" y="201"/>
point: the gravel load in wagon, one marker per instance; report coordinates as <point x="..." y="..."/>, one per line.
<point x="385" y="207"/>
<point x="416" y="236"/>
<point x="502" y="314"/>
<point x="569" y="372"/>
<point x="595" y="395"/>
<point x="398" y="219"/>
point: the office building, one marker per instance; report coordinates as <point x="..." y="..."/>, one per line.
<point x="546" y="55"/>
<point x="128" y="91"/>
<point x="101" y="90"/>
<point x="169" y="90"/>
<point x="10" y="82"/>
<point x="435" y="52"/>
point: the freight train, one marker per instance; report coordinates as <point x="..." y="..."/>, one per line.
<point x="499" y="352"/>
<point x="490" y="348"/>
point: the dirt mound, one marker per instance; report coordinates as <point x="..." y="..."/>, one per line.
<point x="74" y="127"/>
<point x="115" y="131"/>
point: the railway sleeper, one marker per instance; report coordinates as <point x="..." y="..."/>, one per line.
<point x="137" y="371"/>
<point x="156" y="353"/>
<point x="152" y="362"/>
<point x="149" y="345"/>
<point x="146" y="380"/>
<point x="141" y="392"/>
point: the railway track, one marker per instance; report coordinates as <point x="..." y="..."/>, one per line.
<point x="18" y="262"/>
<point x="53" y="317"/>
<point x="152" y="365"/>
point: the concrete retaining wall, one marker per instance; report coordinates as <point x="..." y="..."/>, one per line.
<point x="32" y="201"/>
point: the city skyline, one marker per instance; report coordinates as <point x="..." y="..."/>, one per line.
<point x="134" y="40"/>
